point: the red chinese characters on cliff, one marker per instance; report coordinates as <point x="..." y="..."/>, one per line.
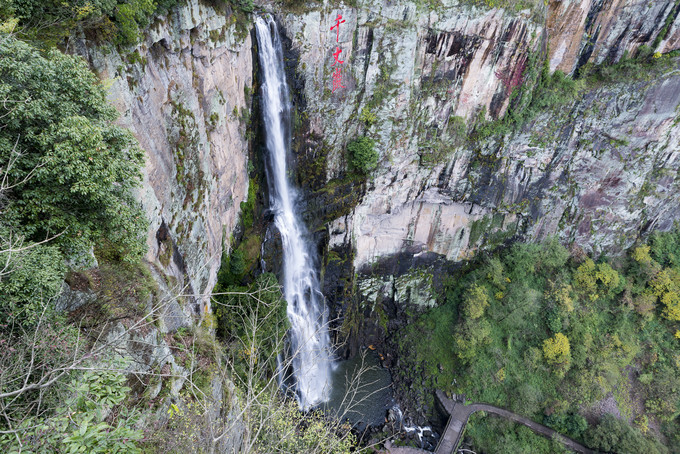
<point x="337" y="74"/>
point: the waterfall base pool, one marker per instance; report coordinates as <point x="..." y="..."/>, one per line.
<point x="362" y="391"/>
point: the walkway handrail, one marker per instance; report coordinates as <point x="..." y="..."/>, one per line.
<point x="462" y="413"/>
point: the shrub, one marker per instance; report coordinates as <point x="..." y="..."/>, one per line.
<point x="34" y="277"/>
<point x="81" y="423"/>
<point x="363" y="158"/>
<point x="130" y="17"/>
<point x="367" y="117"/>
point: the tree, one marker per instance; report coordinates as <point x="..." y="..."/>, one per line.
<point x="588" y="274"/>
<point x="476" y="300"/>
<point x="556" y="350"/>
<point x="608" y="276"/>
<point x="585" y="279"/>
<point x="666" y="286"/>
<point x="52" y="21"/>
<point x="641" y="254"/>
<point x="471" y="338"/>
<point x="70" y="168"/>
<point x="561" y="294"/>
<point x="615" y="435"/>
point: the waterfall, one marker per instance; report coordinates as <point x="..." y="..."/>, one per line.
<point x="309" y="339"/>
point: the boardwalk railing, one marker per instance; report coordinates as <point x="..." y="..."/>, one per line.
<point x="458" y="418"/>
<point x="460" y="413"/>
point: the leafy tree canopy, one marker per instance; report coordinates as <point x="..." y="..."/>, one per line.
<point x="69" y="169"/>
<point x="67" y="173"/>
<point x="556" y="349"/>
<point x="51" y="21"/>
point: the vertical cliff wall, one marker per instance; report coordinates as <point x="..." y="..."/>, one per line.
<point x="589" y="172"/>
<point x="420" y="72"/>
<point x="184" y="92"/>
<point x="583" y="31"/>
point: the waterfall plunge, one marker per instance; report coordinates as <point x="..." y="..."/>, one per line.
<point x="309" y="338"/>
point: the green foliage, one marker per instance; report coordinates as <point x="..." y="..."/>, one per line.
<point x="117" y="21"/>
<point x="246" y="6"/>
<point x="34" y="277"/>
<point x="132" y="16"/>
<point x="512" y="5"/>
<point x="443" y="143"/>
<point x="615" y="435"/>
<point x="476" y="300"/>
<point x="471" y="338"/>
<point x="164" y="5"/>
<point x="51" y="21"/>
<point x="569" y="424"/>
<point x="239" y="14"/>
<point x="50" y="350"/>
<point x="457" y="129"/>
<point x="595" y="281"/>
<point x="557" y="350"/>
<point x="553" y="90"/>
<point x="666" y="286"/>
<point x="189" y="428"/>
<point x="496" y="435"/>
<point x="290" y="430"/>
<point x="234" y="267"/>
<point x="559" y="333"/>
<point x="237" y="263"/>
<point x="363" y="158"/>
<point x="80" y="424"/>
<point x="248" y="206"/>
<point x="436" y="352"/>
<point x="541" y="91"/>
<point x="367" y="117"/>
<point x="73" y="169"/>
<point x="253" y="321"/>
<point x="645" y="66"/>
<point x="665" y="248"/>
<point x="70" y="172"/>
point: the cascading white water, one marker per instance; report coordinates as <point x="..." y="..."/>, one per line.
<point x="310" y="343"/>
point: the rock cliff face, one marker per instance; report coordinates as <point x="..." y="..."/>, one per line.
<point x="184" y="92"/>
<point x="603" y="30"/>
<point x="413" y="75"/>
<point x="598" y="169"/>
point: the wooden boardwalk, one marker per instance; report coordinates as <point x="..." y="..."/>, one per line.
<point x="458" y="418"/>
